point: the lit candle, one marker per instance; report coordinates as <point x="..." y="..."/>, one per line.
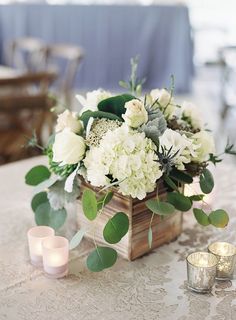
<point x="35" y="237"/>
<point x="55" y="256"/>
<point x="226" y="255"/>
<point x="201" y="270"/>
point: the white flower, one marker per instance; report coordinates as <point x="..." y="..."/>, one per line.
<point x="68" y="119"/>
<point x="206" y="145"/>
<point x="135" y="114"/>
<point x="191" y="115"/>
<point x="92" y="99"/>
<point x="179" y="143"/>
<point x="128" y="157"/>
<point x="164" y="101"/>
<point x="68" y="147"/>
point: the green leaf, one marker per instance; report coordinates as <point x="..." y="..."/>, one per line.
<point x="89" y="204"/>
<point x="206" y="181"/>
<point x="116" y="228"/>
<point x="219" y="218"/>
<point x="170" y="183"/>
<point x="179" y="201"/>
<point x="101" y="258"/>
<point x="150" y="237"/>
<point x="201" y="217"/>
<point x="115" y="105"/>
<point x="77" y="238"/>
<point x="197" y="197"/>
<point x="160" y="208"/>
<point x="181" y="176"/>
<point x="38" y="199"/>
<point x="104" y="200"/>
<point x="46" y="216"/>
<point x="36" y="175"/>
<point x="97" y="114"/>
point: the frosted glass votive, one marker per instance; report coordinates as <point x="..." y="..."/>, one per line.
<point x="35" y="237"/>
<point x="55" y="256"/>
<point x="201" y="270"/>
<point x="226" y="255"/>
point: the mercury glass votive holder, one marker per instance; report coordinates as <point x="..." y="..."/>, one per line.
<point x="35" y="237"/>
<point x="226" y="256"/>
<point x="201" y="271"/>
<point x="55" y="256"/>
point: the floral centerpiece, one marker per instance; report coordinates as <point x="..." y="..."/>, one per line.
<point x="125" y="144"/>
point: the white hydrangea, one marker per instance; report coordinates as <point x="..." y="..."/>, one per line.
<point x="92" y="99"/>
<point x="127" y="156"/>
<point x="180" y="143"/>
<point x="206" y="145"/>
<point x="191" y="114"/>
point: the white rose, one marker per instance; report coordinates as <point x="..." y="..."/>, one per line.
<point x="68" y="119"/>
<point x="166" y="103"/>
<point x="68" y="147"/>
<point x="206" y="145"/>
<point x="92" y="99"/>
<point x="191" y="114"/>
<point x="135" y="114"/>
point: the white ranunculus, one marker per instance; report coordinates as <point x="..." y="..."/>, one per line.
<point x="191" y="114"/>
<point x="164" y="100"/>
<point x="68" y="148"/>
<point x="69" y="120"/>
<point x="183" y="147"/>
<point x="135" y="114"/>
<point x="92" y="99"/>
<point x="206" y="145"/>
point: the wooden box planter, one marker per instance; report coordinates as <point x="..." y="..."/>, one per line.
<point x="135" y="242"/>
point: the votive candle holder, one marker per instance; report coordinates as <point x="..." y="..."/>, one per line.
<point x="55" y="256"/>
<point x="35" y="237"/>
<point x="226" y="256"/>
<point x="201" y="271"/>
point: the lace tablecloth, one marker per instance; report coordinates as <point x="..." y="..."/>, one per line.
<point x="153" y="287"/>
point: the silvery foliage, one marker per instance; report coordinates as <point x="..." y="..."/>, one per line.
<point x="156" y="124"/>
<point x="58" y="197"/>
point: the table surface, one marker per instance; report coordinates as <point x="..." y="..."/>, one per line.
<point x="152" y="287"/>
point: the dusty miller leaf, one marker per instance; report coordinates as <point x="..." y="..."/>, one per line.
<point x="58" y="197"/>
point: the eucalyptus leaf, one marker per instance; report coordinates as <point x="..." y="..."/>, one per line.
<point x="46" y="216"/>
<point x="101" y="258"/>
<point x="206" y="181"/>
<point x="89" y="204"/>
<point x="219" y="218"/>
<point x="77" y="238"/>
<point x="179" y="201"/>
<point x="36" y="175"/>
<point x="197" y="197"/>
<point x="160" y="208"/>
<point x="38" y="199"/>
<point x="116" y="228"/>
<point x="150" y="237"/>
<point x="181" y="176"/>
<point x="201" y="217"/>
<point x="104" y="200"/>
<point x="170" y="183"/>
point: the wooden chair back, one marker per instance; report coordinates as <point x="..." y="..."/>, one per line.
<point x="26" y="54"/>
<point x="23" y="110"/>
<point x="70" y="57"/>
